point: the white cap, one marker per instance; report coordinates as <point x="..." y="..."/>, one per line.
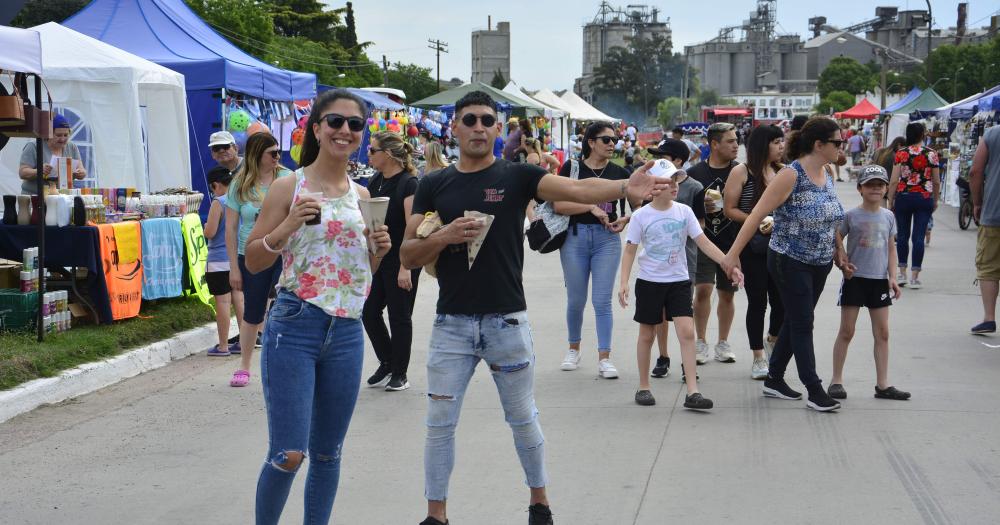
<point x="221" y="137"/>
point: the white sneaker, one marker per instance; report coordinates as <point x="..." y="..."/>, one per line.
<point x="571" y="361"/>
<point x="901" y="279"/>
<point x="759" y="368"/>
<point x="724" y="353"/>
<point x="607" y="370"/>
<point x="701" y="351"/>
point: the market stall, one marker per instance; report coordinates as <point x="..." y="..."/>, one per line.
<point x="863" y="110"/>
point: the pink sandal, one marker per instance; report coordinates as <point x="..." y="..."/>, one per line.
<point x="240" y="378"/>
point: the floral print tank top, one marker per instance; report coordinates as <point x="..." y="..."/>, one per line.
<point x="804" y="225"/>
<point x="327" y="264"/>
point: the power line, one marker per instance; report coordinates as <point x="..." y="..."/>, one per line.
<point x="440" y="47"/>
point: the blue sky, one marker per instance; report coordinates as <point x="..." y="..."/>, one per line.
<point x="546" y="35"/>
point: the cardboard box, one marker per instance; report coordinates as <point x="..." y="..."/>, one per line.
<point x="10" y="274"/>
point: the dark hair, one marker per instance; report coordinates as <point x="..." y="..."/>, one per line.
<point x="889" y="151"/>
<point x="816" y="128"/>
<point x="797" y="122"/>
<point x="525" y="126"/>
<point x="678" y="129"/>
<point x="475" y="98"/>
<point x="590" y="134"/>
<point x="220" y="175"/>
<point x="310" y="146"/>
<point x="758" y="150"/>
<point x="915" y="133"/>
<point x="717" y="130"/>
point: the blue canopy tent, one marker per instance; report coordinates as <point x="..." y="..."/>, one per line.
<point x="964" y="109"/>
<point x="169" y="33"/>
<point x="910" y="97"/>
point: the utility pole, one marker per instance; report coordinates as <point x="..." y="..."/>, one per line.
<point x="930" y="22"/>
<point x="684" y="85"/>
<point x="385" y="72"/>
<point x="440" y="47"/>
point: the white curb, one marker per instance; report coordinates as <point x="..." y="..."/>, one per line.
<point x="90" y="377"/>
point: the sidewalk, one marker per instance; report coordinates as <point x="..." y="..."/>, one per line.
<point x="178" y="445"/>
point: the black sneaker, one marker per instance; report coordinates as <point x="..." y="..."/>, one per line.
<point x="891" y="393"/>
<point x="380" y="377"/>
<point x="539" y="514"/>
<point x="397" y="382"/>
<point x="696" y="401"/>
<point x="837" y="391"/>
<point x="820" y="401"/>
<point x="433" y="521"/>
<point x="662" y="367"/>
<point x="645" y="398"/>
<point x="258" y="343"/>
<point x="779" y="388"/>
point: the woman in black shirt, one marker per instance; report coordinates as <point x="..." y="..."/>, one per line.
<point x="592" y="248"/>
<point x="392" y="284"/>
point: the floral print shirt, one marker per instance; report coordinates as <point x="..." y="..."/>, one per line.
<point x="915" y="165"/>
<point x="327" y="264"/>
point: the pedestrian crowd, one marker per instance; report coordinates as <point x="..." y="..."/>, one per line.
<point x="294" y="248"/>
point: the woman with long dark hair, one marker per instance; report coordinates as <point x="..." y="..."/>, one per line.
<point x="394" y="286"/>
<point x="314" y="341"/>
<point x="765" y="147"/>
<point x="246" y="194"/>
<point x="914" y="190"/>
<point x="802" y="248"/>
<point x="592" y="248"/>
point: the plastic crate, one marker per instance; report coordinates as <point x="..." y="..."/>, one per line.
<point x="17" y="309"/>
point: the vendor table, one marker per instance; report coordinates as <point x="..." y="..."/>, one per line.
<point x="65" y="247"/>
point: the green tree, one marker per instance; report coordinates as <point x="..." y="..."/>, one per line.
<point x="348" y="34"/>
<point x="835" y="101"/>
<point x="642" y="74"/>
<point x="845" y="74"/>
<point x="668" y="112"/>
<point x="37" y="12"/>
<point x="969" y="68"/>
<point x="414" y="80"/>
<point x="245" y="23"/>
<point x="498" y="81"/>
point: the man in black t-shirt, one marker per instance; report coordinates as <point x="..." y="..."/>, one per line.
<point x="481" y="309"/>
<point x="712" y="174"/>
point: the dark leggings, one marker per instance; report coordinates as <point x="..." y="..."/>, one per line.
<point x="761" y="290"/>
<point x="392" y="350"/>
<point x="800" y="285"/>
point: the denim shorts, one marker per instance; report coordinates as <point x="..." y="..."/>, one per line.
<point x="257" y="287"/>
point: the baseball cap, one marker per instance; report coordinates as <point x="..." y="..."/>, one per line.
<point x="872" y="172"/>
<point x="220" y="138"/>
<point x="673" y="148"/>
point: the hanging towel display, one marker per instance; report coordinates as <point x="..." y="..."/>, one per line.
<point x="127" y="237"/>
<point x="162" y="258"/>
<point x="197" y="255"/>
<point x="124" y="280"/>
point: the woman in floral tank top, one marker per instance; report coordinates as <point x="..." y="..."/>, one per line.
<point x="913" y="196"/>
<point x="313" y="340"/>
<point x="802" y="248"/>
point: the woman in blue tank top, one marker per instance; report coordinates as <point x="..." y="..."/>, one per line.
<point x="803" y="247"/>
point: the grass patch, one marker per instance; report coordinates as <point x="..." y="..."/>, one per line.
<point x="23" y="358"/>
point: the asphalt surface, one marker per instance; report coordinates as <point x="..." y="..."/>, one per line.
<point x="178" y="445"/>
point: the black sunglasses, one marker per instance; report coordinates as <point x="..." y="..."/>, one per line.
<point x="276" y="154"/>
<point x="836" y="142"/>
<point x="372" y="151"/>
<point x="469" y="120"/>
<point x="606" y="139"/>
<point x="336" y="121"/>
<point x="221" y="147"/>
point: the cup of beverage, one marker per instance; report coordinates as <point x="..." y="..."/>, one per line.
<point x="313" y="196"/>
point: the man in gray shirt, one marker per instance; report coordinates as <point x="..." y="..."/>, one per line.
<point x="985" y="186"/>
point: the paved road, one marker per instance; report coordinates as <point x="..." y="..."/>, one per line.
<point x="180" y="446"/>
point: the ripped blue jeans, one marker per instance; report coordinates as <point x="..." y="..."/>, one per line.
<point x="310" y="369"/>
<point x="458" y="343"/>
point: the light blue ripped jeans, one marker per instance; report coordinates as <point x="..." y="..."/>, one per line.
<point x="458" y="343"/>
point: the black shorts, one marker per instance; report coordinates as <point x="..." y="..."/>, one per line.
<point x="860" y="291"/>
<point x="218" y="282"/>
<point x="655" y="302"/>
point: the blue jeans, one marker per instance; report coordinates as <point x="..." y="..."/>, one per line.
<point x="800" y="286"/>
<point x="311" y="370"/>
<point x="458" y="343"/>
<point x="918" y="209"/>
<point x="592" y="252"/>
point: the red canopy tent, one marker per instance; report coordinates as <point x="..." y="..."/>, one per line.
<point x="863" y="110"/>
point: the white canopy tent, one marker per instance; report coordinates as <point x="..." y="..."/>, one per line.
<point x="129" y="115"/>
<point x="581" y="110"/>
<point x="547" y="97"/>
<point x="22" y="50"/>
<point x="558" y="116"/>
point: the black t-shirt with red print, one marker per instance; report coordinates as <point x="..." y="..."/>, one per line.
<point x="493" y="284"/>
<point x="915" y="170"/>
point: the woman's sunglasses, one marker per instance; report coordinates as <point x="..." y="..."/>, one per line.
<point x="606" y="139"/>
<point x="372" y="151"/>
<point x="275" y="154"/>
<point x="835" y="142"/>
<point x="336" y="121"/>
<point x="469" y="120"/>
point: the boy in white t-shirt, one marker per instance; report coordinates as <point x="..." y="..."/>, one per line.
<point x="663" y="288"/>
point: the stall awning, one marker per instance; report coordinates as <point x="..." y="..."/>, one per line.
<point x="863" y="110"/>
<point x="22" y="50"/>
<point x="725" y="112"/>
